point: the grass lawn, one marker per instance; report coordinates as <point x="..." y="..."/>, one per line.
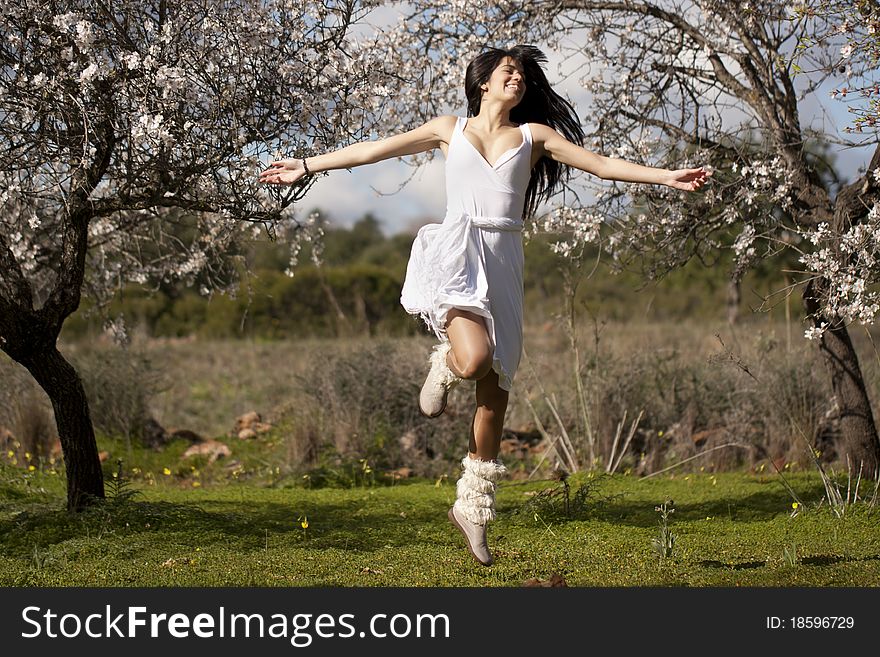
<point x="730" y="529"/>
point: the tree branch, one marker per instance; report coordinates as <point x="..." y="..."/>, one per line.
<point x="682" y="134"/>
<point x="65" y="296"/>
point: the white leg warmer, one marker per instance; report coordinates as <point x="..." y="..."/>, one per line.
<point x="476" y="489"/>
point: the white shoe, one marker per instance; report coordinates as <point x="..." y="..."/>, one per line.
<point x="474" y="536"/>
<point x="440" y="380"/>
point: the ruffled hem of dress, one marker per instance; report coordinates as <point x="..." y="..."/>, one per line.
<point x="504" y="380"/>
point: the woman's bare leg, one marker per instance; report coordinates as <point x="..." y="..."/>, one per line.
<point x="471" y="354"/>
<point x="471" y="358"/>
<point x="488" y="425"/>
<point x="475" y="490"/>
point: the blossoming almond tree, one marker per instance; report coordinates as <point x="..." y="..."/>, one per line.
<point x="687" y="83"/>
<point x="847" y="33"/>
<point x="130" y="136"/>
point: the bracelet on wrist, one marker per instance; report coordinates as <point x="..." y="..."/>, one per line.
<point x="306" y="167"/>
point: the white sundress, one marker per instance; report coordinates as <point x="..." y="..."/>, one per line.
<point x="474" y="259"/>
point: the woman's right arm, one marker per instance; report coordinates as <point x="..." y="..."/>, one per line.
<point x="424" y="138"/>
<point x="551" y="144"/>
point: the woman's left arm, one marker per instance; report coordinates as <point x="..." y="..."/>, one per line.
<point x="558" y="148"/>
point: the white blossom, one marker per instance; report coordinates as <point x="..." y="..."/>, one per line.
<point x="89" y="74"/>
<point x="65" y="21"/>
<point x="815" y="332"/>
<point x="743" y="242"/>
<point x="132" y="61"/>
<point x="85" y="35"/>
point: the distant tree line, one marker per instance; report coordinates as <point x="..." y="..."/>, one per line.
<point x="356" y="291"/>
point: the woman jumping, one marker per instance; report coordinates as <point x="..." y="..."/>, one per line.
<point x="465" y="276"/>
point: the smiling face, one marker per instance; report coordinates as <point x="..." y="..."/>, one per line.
<point x="507" y="82"/>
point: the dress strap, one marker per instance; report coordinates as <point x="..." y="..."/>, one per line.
<point x="458" y="129"/>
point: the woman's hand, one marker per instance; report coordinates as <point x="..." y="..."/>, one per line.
<point x="689" y="180"/>
<point x="283" y="172"/>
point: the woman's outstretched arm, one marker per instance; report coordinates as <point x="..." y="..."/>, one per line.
<point x="560" y="149"/>
<point x="424" y="138"/>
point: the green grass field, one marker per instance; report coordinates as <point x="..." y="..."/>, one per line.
<point x="730" y="529"/>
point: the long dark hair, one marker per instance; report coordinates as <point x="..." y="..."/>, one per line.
<point x="539" y="104"/>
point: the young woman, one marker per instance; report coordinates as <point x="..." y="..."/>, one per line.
<point x="464" y="276"/>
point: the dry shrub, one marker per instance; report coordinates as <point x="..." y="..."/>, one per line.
<point x="363" y="403"/>
<point x="120" y="383"/>
<point x="793" y="399"/>
<point x="695" y="399"/>
<point x="682" y="404"/>
<point x="25" y="411"/>
<point x="35" y="426"/>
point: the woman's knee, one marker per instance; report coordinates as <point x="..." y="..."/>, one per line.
<point x="471" y="348"/>
<point x="475" y="366"/>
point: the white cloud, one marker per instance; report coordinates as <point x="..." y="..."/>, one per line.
<point x="348" y="195"/>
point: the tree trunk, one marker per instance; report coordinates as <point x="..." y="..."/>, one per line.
<point x="30" y="338"/>
<point x="856" y="418"/>
<point x="85" y="481"/>
<point x="733" y="297"/>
